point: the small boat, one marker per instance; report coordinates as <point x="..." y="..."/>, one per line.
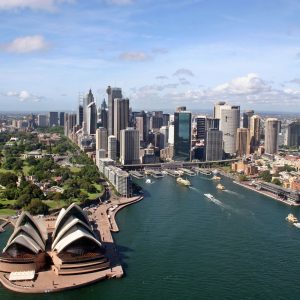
<point x="220" y="187"/>
<point x="291" y="218"/>
<point x="182" y="181"/>
<point x="216" y="177"/>
<point x="148" y="181"/>
<point x="209" y="196"/>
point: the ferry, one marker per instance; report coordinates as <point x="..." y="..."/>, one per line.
<point x="291" y="218"/>
<point x="209" y="196"/>
<point x="220" y="187"/>
<point x="182" y="181"/>
<point x="216" y="177"/>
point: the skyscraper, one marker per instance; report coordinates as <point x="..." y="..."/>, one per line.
<point x="53" y="118"/>
<point x="112" y="147"/>
<point x="229" y="123"/>
<point x="80" y="115"/>
<point x="271" y="135"/>
<point x="101" y="138"/>
<point x="182" y="135"/>
<point x="246" y="118"/>
<point x="201" y="126"/>
<point x="42" y="120"/>
<point x="91" y="118"/>
<point x="214" y="145"/>
<point x="293" y="134"/>
<point x="217" y="109"/>
<point x="61" y="118"/>
<point x="242" y="141"/>
<point x="121" y="114"/>
<point x="89" y="98"/>
<point x="112" y="94"/>
<point x="130" y="146"/>
<point x="103" y="114"/>
<point x="164" y="136"/>
<point x="255" y="129"/>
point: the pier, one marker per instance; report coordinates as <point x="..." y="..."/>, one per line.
<point x="136" y="174"/>
<point x="187" y="172"/>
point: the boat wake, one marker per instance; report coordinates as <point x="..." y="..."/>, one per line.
<point x="231" y="192"/>
<point x="296" y="225"/>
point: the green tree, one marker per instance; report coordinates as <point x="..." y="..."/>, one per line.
<point x="276" y="181"/>
<point x="266" y="176"/>
<point x="37" y="207"/>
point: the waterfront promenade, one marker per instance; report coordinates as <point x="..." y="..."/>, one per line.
<point x="104" y="224"/>
<point x="266" y="193"/>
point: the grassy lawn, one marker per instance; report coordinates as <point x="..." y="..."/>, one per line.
<point x="7" y="202"/>
<point x="55" y="204"/>
<point x="7" y="212"/>
<point x="75" y="169"/>
<point x="26" y="170"/>
<point x="6" y="171"/>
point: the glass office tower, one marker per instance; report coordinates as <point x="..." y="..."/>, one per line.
<point x="182" y="135"/>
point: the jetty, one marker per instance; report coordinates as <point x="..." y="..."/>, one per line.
<point x="172" y="173"/>
<point x="187" y="172"/>
<point x="136" y="174"/>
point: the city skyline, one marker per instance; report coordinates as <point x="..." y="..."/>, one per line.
<point x="164" y="54"/>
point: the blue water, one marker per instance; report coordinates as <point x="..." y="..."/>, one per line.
<point x="177" y="244"/>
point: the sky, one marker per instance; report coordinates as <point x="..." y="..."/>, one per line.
<point x="162" y="53"/>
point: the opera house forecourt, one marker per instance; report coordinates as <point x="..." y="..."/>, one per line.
<point x="48" y="254"/>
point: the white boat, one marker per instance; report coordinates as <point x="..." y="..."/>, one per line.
<point x="182" y="181"/>
<point x="148" y="181"/>
<point x="220" y="187"/>
<point x="296" y="225"/>
<point x="209" y="196"/>
<point x="291" y="218"/>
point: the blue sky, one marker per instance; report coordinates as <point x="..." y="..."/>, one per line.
<point x="161" y="53"/>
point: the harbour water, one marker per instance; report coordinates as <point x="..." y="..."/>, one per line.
<point x="177" y="244"/>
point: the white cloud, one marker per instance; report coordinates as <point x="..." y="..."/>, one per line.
<point x="23" y="96"/>
<point x="120" y="2"/>
<point x="296" y="80"/>
<point x="134" y="56"/>
<point x="183" y="72"/>
<point x="249" y="84"/>
<point x="26" y="44"/>
<point x="161" y="77"/>
<point x="49" y="5"/>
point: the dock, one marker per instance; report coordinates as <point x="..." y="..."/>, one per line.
<point x="203" y="171"/>
<point x="187" y="172"/>
<point x="172" y="173"/>
<point x="3" y="225"/>
<point x="154" y="173"/>
<point x="136" y="174"/>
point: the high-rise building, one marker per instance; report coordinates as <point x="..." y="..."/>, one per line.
<point x="156" y="122"/>
<point x="101" y="138"/>
<point x="182" y="135"/>
<point x="217" y="109"/>
<point x="91" y="120"/>
<point x="242" y="141"/>
<point x="42" y="120"/>
<point x="130" y="146"/>
<point x="255" y="130"/>
<point x="229" y="123"/>
<point x="121" y="114"/>
<point x="271" y="135"/>
<point x="112" y="94"/>
<point x="53" y="118"/>
<point x="139" y="125"/>
<point x="164" y="136"/>
<point x="61" y="118"/>
<point x="112" y="147"/>
<point x="80" y="115"/>
<point x="214" y="145"/>
<point x="166" y="119"/>
<point x="103" y="114"/>
<point x="87" y="99"/>
<point x="293" y="134"/>
<point x="201" y="127"/>
<point x="246" y="118"/>
<point x="70" y="122"/>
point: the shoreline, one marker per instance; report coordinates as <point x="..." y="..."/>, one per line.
<point x="49" y="282"/>
<point x="265" y="193"/>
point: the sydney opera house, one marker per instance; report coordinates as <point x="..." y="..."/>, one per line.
<point x="67" y="245"/>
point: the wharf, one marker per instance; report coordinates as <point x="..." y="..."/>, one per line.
<point x="203" y="171"/>
<point x="187" y="172"/>
<point x="136" y="174"/>
<point x="172" y="172"/>
<point x="268" y="194"/>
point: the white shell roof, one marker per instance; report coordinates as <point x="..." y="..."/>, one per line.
<point x="74" y="234"/>
<point x="25" y="241"/>
<point x="71" y="222"/>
